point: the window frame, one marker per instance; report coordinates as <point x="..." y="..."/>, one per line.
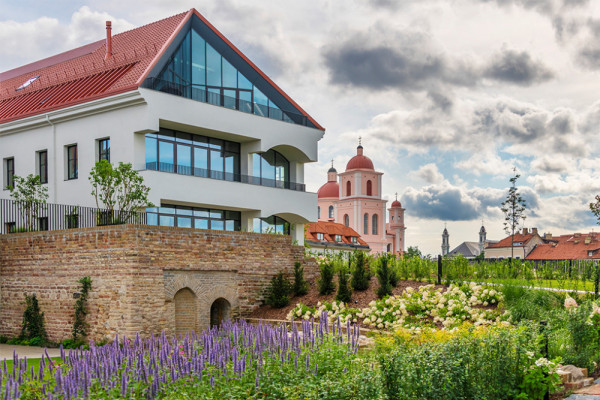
<point x="42" y="167"/>
<point x="331" y="210"/>
<point x="346" y="220"/>
<point x="104" y="154"/>
<point x="348" y="189"/>
<point x="72" y="163"/>
<point x="369" y="188"/>
<point x="374" y="224"/>
<point x="9" y="172"/>
<point x="366" y="224"/>
<point x="320" y="236"/>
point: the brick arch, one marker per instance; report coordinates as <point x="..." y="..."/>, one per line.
<point x="186" y="311"/>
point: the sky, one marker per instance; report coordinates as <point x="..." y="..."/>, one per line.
<point x="448" y="96"/>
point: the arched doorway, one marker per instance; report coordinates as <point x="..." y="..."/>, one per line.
<point x="219" y="311"/>
<point x="186" y="312"/>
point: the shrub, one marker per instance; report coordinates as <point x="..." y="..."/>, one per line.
<point x="360" y="275"/>
<point x="300" y="285"/>
<point x="79" y="325"/>
<point x="344" y="293"/>
<point x="326" y="285"/>
<point x="33" y="320"/>
<point x="383" y="276"/>
<point x="278" y="293"/>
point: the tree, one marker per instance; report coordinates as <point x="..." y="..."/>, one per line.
<point x="514" y="211"/>
<point x="413" y="252"/>
<point x="30" y="195"/>
<point x="300" y="285"/>
<point x="120" y="191"/>
<point x="344" y="294"/>
<point x="278" y="293"/>
<point x="595" y="207"/>
<point x="360" y="275"/>
<point x="383" y="275"/>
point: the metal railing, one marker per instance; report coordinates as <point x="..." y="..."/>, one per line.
<point x="195" y="93"/>
<point x="224" y="176"/>
<point x="18" y="216"/>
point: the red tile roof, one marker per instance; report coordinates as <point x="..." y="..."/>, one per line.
<point x="568" y="247"/>
<point x="329" y="230"/>
<point x="82" y="74"/>
<point x="519" y="238"/>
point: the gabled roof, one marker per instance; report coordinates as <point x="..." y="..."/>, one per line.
<point x="329" y="231"/>
<point x="82" y="74"/>
<point x="466" y="249"/>
<point x="519" y="238"/>
<point x="568" y="247"/>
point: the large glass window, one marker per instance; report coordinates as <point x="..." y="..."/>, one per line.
<point x="187" y="154"/>
<point x="194" y="217"/>
<point x="9" y="174"/>
<point x="197" y="70"/>
<point x="272" y="224"/>
<point x="42" y="164"/>
<point x="72" y="167"/>
<point x="104" y="150"/>
<point x="272" y="168"/>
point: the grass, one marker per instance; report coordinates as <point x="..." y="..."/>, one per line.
<point x="31" y="362"/>
<point x="546" y="283"/>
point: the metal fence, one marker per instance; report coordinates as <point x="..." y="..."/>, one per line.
<point x="16" y="216"/>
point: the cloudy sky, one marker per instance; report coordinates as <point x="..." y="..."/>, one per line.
<point x="448" y="96"/>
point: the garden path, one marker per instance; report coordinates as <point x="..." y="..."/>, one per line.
<point x="587" y="393"/>
<point x="6" y="351"/>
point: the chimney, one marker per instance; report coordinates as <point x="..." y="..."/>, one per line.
<point x="534" y="231"/>
<point x="548" y="236"/>
<point x="108" y="40"/>
<point x="525" y="231"/>
<point x="588" y="240"/>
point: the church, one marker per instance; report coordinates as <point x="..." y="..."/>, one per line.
<point x="353" y="198"/>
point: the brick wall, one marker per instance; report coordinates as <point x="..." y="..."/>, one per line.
<point x="136" y="272"/>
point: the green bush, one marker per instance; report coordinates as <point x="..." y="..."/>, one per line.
<point x="3" y="339"/>
<point x="529" y="304"/>
<point x="344" y="293"/>
<point x="33" y="321"/>
<point x="79" y="325"/>
<point x="278" y="292"/>
<point x="383" y="276"/>
<point x="300" y="285"/>
<point x="360" y="274"/>
<point x="326" y="285"/>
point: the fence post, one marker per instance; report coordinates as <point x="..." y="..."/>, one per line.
<point x="544" y="349"/>
<point x="439" y="281"/>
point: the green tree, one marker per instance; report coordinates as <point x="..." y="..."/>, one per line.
<point x="360" y="275"/>
<point x="278" y="292"/>
<point x="326" y="285"/>
<point x="119" y="190"/>
<point x="30" y="195"/>
<point x="80" y="326"/>
<point x="595" y="207"/>
<point x="344" y="293"/>
<point x="513" y="208"/>
<point x="383" y="276"/>
<point x="300" y="285"/>
<point x="413" y="251"/>
<point x="33" y="320"/>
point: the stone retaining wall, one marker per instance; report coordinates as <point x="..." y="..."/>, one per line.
<point x="136" y="274"/>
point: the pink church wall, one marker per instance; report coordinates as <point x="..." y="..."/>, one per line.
<point x="324" y="204"/>
<point x="374" y="184"/>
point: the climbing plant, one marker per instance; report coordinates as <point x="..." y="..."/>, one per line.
<point x="80" y="326"/>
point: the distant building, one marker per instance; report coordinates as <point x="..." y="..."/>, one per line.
<point x="327" y="237"/>
<point x="354" y="198"/>
<point x="573" y="246"/>
<point x="469" y="250"/>
<point x="522" y="244"/>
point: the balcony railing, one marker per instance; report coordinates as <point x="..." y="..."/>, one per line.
<point x="224" y="176"/>
<point x="198" y="94"/>
<point x="18" y="216"/>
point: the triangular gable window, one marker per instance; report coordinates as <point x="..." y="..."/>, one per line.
<point x="197" y="71"/>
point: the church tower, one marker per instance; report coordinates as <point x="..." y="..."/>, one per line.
<point x="445" y="242"/>
<point x="482" y="238"/>
<point x="396" y="226"/>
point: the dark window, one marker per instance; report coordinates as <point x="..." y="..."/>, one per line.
<point x="346" y="220"/>
<point x="348" y="188"/>
<point x="194" y="217"/>
<point x="374" y="224"/>
<point x="104" y="150"/>
<point x="43" y="166"/>
<point x="369" y="188"/>
<point x="10" y="227"/>
<point x="338" y="238"/>
<point x="318" y="212"/>
<point x="272" y="224"/>
<point x="43" y="223"/>
<point x="188" y="154"/>
<point x="330" y="211"/>
<point x="72" y="162"/>
<point x="72" y="221"/>
<point x="366" y="224"/>
<point x="272" y="168"/>
<point x="9" y="167"/>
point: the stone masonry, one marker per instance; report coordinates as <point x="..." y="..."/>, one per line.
<point x="142" y="276"/>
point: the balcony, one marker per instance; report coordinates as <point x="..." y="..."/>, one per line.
<point x="195" y="93"/>
<point x="224" y="176"/>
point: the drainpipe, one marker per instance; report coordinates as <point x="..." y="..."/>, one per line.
<point x="55" y="161"/>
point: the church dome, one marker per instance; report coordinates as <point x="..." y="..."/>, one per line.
<point x="330" y="189"/>
<point x="396" y="204"/>
<point x="332" y="170"/>
<point x="360" y="161"/>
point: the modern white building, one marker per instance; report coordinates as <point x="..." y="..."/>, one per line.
<point x="219" y="143"/>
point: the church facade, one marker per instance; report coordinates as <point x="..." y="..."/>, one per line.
<point x="354" y="199"/>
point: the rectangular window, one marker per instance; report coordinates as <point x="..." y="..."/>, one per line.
<point x="43" y="223"/>
<point x="199" y="218"/>
<point x="104" y="150"/>
<point x="72" y="167"/>
<point x="72" y="221"/>
<point x="42" y="164"/>
<point x="10" y="227"/>
<point x="9" y="172"/>
<point x="320" y="236"/>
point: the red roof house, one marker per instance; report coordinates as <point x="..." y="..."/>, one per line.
<point x="576" y="246"/>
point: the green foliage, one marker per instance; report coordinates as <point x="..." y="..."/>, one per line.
<point x="413" y="251"/>
<point x="529" y="304"/>
<point x="80" y="326"/>
<point x="31" y="196"/>
<point x="33" y="321"/>
<point x="326" y="285"/>
<point x="595" y="208"/>
<point x="278" y="292"/>
<point x="344" y="293"/>
<point x="360" y="274"/>
<point x="120" y="191"/>
<point x="300" y="285"/>
<point x="384" y="276"/>
<point x="513" y="208"/>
